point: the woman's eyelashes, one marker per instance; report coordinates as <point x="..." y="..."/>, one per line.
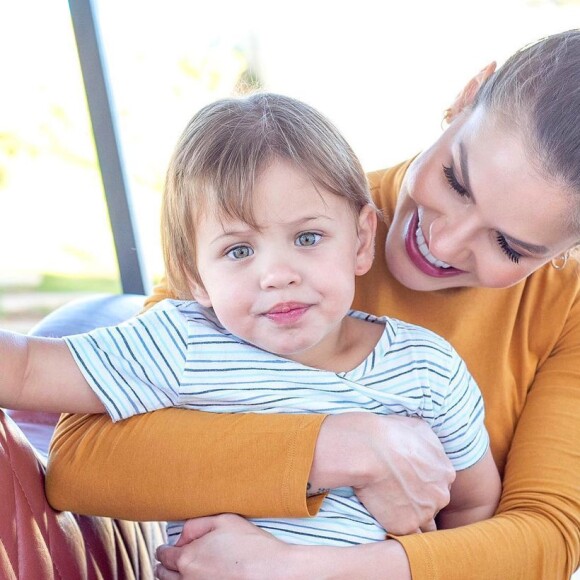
<point x="507" y="249"/>
<point x="453" y="182"/>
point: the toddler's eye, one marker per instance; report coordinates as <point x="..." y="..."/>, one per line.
<point x="240" y="252"/>
<point x="308" y="239"/>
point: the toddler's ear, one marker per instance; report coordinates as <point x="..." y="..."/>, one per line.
<point x="367" y="226"/>
<point x="199" y="294"/>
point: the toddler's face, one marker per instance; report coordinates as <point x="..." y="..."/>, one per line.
<point x="287" y="285"/>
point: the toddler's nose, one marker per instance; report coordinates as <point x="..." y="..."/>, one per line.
<point x="279" y="275"/>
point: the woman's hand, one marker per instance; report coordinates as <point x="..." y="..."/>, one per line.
<point x="224" y="546"/>
<point x="227" y="546"/>
<point x="396" y="466"/>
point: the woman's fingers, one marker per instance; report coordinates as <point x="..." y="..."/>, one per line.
<point x="168" y="557"/>
<point x="175" y="560"/>
<point x="196" y="528"/>
<point x="395" y="464"/>
<point x="223" y="546"/>
<point x="163" y="572"/>
<point x="411" y="478"/>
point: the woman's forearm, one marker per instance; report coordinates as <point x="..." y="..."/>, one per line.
<point x="175" y="464"/>
<point x="227" y="546"/>
<point x="517" y="546"/>
<point x="381" y="561"/>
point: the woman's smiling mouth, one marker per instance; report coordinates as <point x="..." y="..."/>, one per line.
<point x="419" y="254"/>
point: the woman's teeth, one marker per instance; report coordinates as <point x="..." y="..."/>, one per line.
<point x="423" y="248"/>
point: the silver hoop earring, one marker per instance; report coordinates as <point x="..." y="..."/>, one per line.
<point x="560" y="262"/>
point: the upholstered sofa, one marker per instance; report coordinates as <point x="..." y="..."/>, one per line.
<point x="36" y="542"/>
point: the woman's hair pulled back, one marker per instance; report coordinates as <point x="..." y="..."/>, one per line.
<point x="538" y="90"/>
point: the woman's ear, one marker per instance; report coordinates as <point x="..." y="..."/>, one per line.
<point x="465" y="98"/>
<point x="367" y="227"/>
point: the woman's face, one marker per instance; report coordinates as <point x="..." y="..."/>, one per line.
<point x="473" y="211"/>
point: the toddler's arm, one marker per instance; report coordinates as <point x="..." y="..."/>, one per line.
<point x="40" y="374"/>
<point x="475" y="495"/>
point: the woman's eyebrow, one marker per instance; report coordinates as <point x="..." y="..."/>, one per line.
<point x="531" y="248"/>
<point x="465" y="169"/>
<point x="527" y="246"/>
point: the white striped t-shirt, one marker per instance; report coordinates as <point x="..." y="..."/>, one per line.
<point x="177" y="354"/>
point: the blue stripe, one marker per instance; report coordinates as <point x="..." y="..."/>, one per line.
<point x="93" y="382"/>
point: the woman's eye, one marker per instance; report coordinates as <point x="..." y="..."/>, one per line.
<point x="308" y="239"/>
<point x="507" y="249"/>
<point x="452" y="181"/>
<point x="240" y="252"/>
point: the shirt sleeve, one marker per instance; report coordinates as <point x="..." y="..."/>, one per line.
<point x="135" y="367"/>
<point x="178" y="463"/>
<point x="460" y="422"/>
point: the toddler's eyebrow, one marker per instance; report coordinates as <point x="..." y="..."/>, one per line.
<point x="231" y="234"/>
<point x="241" y="231"/>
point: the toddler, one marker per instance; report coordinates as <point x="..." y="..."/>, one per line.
<point x="267" y="221"/>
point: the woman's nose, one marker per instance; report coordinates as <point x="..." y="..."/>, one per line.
<point x="450" y="240"/>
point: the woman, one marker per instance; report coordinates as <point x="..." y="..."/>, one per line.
<point x="480" y="226"/>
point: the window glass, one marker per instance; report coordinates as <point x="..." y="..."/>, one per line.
<point x="382" y="71"/>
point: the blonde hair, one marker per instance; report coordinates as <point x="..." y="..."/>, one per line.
<point x="221" y="154"/>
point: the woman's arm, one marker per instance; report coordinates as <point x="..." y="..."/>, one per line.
<point x="227" y="546"/>
<point x="536" y="532"/>
<point x="182" y="463"/>
<point x="178" y="462"/>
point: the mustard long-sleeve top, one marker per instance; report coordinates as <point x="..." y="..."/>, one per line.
<point x="522" y="344"/>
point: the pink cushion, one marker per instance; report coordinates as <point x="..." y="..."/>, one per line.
<point x="38" y="542"/>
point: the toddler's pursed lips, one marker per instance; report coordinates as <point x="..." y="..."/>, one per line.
<point x="287" y="313"/>
<point x="285" y="307"/>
